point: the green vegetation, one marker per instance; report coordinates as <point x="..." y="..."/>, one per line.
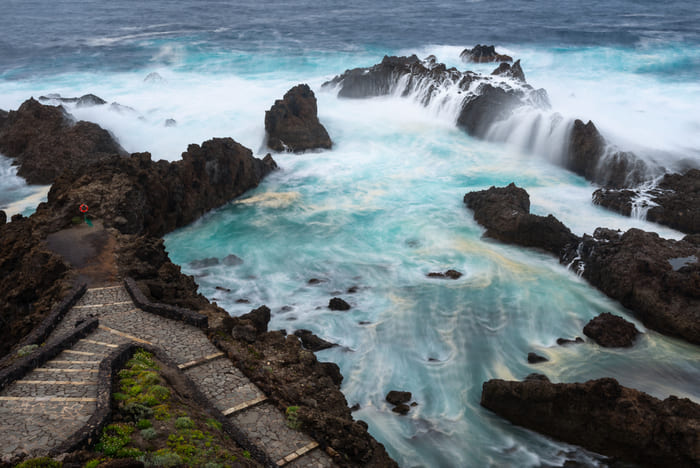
<point x="292" y="417"/>
<point x="159" y="429"/>
<point x="43" y="462"/>
<point x="25" y="350"/>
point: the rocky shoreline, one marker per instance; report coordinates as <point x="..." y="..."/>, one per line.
<point x="136" y="201"/>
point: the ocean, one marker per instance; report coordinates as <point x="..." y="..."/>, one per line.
<point x="384" y="207"/>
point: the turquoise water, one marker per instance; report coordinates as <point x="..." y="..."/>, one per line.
<point x="384" y="207"/>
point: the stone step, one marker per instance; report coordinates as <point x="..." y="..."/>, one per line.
<point x="104" y="295"/>
<point x="51" y="388"/>
<point x="265" y="426"/>
<point x="66" y="361"/>
<point x="223" y="384"/>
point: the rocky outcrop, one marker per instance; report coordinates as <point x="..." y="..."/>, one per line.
<point x="449" y="274"/>
<point x="336" y="303"/>
<point x="313" y="342"/>
<point x="658" y="279"/>
<point x="602" y="416"/>
<point x="484" y="101"/>
<point x="484" y="54"/>
<point x="674" y="201"/>
<point x="590" y="156"/>
<point x="534" y="358"/>
<point x="505" y="213"/>
<point x="611" y="331"/>
<point x="46" y="140"/>
<point x="292" y="122"/>
<point x="138" y="196"/>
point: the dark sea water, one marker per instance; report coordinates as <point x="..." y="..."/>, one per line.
<point x="384" y="207"/>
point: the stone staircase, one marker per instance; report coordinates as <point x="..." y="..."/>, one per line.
<point x="46" y="406"/>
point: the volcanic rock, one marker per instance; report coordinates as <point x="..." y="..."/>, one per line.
<point x="259" y="317"/>
<point x="657" y="279"/>
<point x="3" y="118"/>
<point x="87" y="100"/>
<point x="611" y="331"/>
<point x="534" y="358"/>
<point x="313" y="342"/>
<point x="673" y="202"/>
<point x="514" y="71"/>
<point x="3" y="217"/>
<point x="505" y="213"/>
<point x="292" y="122"/>
<point x="484" y="54"/>
<point x="232" y="260"/>
<point x="45" y="141"/>
<point x="401" y="408"/>
<point x="337" y="303"/>
<point x="603" y="416"/>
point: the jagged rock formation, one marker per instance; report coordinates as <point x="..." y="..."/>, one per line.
<point x="139" y="196"/>
<point x="86" y="100"/>
<point x="514" y="71"/>
<point x="483" y="54"/>
<point x="603" y="416"/>
<point x="45" y="141"/>
<point x="673" y="202"/>
<point x="292" y="122"/>
<point x="505" y="212"/>
<point x="658" y="279"/>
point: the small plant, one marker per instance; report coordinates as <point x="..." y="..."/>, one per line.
<point x="94" y="463"/>
<point x="159" y="392"/>
<point x="137" y="411"/>
<point x="25" y="350"/>
<point x="149" y="433"/>
<point x="161" y="412"/>
<point x="246" y="454"/>
<point x="184" y="422"/>
<point x="144" y="424"/>
<point x="161" y="458"/>
<point x="114" y="438"/>
<point x="292" y="417"/>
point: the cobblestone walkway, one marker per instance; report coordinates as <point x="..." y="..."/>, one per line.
<point x="46" y="406"/>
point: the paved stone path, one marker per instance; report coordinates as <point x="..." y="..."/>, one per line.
<point x="50" y="403"/>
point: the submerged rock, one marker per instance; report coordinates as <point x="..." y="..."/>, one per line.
<point x="337" y="303"/>
<point x="449" y="274"/>
<point x="45" y="141"/>
<point x="232" y="260"/>
<point x="87" y="100"/>
<point x="567" y="342"/>
<point x="204" y="262"/>
<point x="292" y="122"/>
<point x="483" y="54"/>
<point x="611" y="331"/>
<point x="170" y="123"/>
<point x="673" y="202"/>
<point x="505" y="213"/>
<point x="602" y="416"/>
<point x="396" y="397"/>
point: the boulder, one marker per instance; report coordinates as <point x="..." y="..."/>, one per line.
<point x="505" y="213"/>
<point x="232" y="260"/>
<point x="611" y="331"/>
<point x="313" y="342"/>
<point x="292" y="122"/>
<point x="567" y="342"/>
<point x="484" y="54"/>
<point x="337" y="303"/>
<point x="45" y="141"/>
<point x="489" y="105"/>
<point x="602" y="416"/>
<point x="513" y="71"/>
<point x="674" y="201"/>
<point x="259" y="317"/>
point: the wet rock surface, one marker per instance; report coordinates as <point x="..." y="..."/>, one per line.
<point x="673" y="202"/>
<point x="292" y="122"/>
<point x="505" y="212"/>
<point x="483" y="54"/>
<point x="514" y="71"/>
<point x="603" y="416"/>
<point x="44" y="141"/>
<point x="449" y="274"/>
<point x="534" y="358"/>
<point x="611" y="331"/>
